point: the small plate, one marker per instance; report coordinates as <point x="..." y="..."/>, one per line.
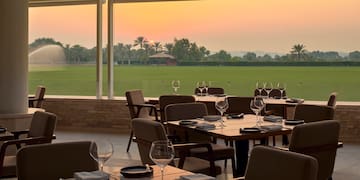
<point x="187" y="122"/>
<point x="136" y="171"/>
<point x="293" y="122"/>
<point x="235" y="116"/>
<point x="250" y="130"/>
<point x="2" y="129"/>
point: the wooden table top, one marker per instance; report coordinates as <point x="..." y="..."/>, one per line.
<point x="170" y="172"/>
<point x="231" y="131"/>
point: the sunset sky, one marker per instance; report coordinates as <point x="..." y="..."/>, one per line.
<point x="231" y="25"/>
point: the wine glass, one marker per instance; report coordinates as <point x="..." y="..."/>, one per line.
<point x="259" y="88"/>
<point x="281" y="87"/>
<point x="175" y="85"/>
<point x="256" y="105"/>
<point x="101" y="151"/>
<point x="268" y="87"/>
<point x="221" y="105"/>
<point x="162" y="153"/>
<point x="201" y="86"/>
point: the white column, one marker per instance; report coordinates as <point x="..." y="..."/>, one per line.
<point x="99" y="50"/>
<point x="13" y="56"/>
<point x="110" y="49"/>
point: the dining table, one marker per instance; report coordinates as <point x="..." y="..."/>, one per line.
<point x="231" y="133"/>
<point x="170" y="173"/>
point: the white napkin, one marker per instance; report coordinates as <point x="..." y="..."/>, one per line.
<point x="93" y="175"/>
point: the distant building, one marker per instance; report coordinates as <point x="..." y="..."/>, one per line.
<point x="162" y="59"/>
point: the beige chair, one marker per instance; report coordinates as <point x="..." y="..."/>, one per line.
<point x="54" y="161"/>
<point x="41" y="131"/>
<point x="138" y="108"/>
<point x="312" y="113"/>
<point x="156" y="131"/>
<point x="37" y="100"/>
<point x="165" y="100"/>
<point x="320" y="140"/>
<point x="272" y="163"/>
<point x="185" y="111"/>
<point x="332" y="100"/>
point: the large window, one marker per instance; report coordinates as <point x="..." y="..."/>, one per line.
<point x="311" y="46"/>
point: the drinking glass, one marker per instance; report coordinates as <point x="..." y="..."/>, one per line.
<point x="268" y="86"/>
<point x="281" y="87"/>
<point x="256" y="105"/>
<point x="201" y="86"/>
<point x="162" y="153"/>
<point x="221" y="105"/>
<point x="259" y="88"/>
<point x="175" y="85"/>
<point x="101" y="151"/>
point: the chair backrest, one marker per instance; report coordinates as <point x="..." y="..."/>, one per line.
<point x="165" y="100"/>
<point x="239" y="105"/>
<point x="272" y="163"/>
<point x="211" y="90"/>
<point x="39" y="97"/>
<point x="332" y="100"/>
<point x="54" y="161"/>
<point x="136" y="97"/>
<point x="312" y="113"/>
<point x="146" y="132"/>
<point x="257" y="92"/>
<point x="183" y="111"/>
<point x="317" y="139"/>
<point x="42" y="124"/>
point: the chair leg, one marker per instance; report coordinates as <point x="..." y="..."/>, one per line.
<point x="130" y="139"/>
<point x="274" y="141"/>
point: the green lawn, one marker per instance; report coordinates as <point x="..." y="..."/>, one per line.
<point x="314" y="83"/>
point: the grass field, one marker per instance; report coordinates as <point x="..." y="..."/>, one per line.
<point x="315" y="83"/>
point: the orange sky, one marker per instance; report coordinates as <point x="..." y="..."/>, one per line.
<point x="232" y="25"/>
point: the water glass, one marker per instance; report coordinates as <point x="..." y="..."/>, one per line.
<point x="162" y="153"/>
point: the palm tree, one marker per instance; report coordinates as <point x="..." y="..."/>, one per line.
<point x="141" y="40"/>
<point x="298" y="50"/>
<point x="157" y="46"/>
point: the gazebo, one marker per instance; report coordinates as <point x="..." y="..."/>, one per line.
<point x="162" y="59"/>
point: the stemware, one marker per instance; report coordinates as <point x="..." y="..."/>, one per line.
<point x="221" y="105"/>
<point x="175" y="85"/>
<point x="268" y="86"/>
<point x="101" y="151"/>
<point x="201" y="86"/>
<point x="162" y="153"/>
<point x="256" y="105"/>
<point x="259" y="88"/>
<point x="281" y="87"/>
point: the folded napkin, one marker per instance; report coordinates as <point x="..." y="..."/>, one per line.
<point x="205" y="126"/>
<point x="273" y="118"/>
<point x="271" y="127"/>
<point x="196" y="176"/>
<point x="93" y="175"/>
<point x="295" y="100"/>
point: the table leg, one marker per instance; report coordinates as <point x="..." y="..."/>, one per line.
<point x="242" y="150"/>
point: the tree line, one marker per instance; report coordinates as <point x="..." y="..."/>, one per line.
<point x="186" y="51"/>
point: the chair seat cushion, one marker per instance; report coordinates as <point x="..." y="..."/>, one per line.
<point x="9" y="166"/>
<point x="220" y="152"/>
